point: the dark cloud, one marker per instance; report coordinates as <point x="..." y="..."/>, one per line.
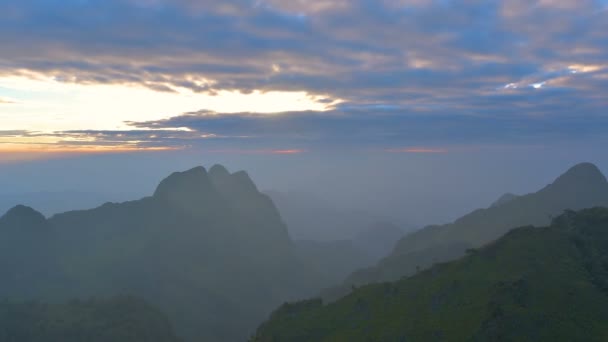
<point x="350" y="48"/>
<point x="13" y="133"/>
<point x="361" y="128"/>
<point x="409" y="71"/>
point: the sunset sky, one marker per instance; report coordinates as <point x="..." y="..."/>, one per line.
<point x="401" y="75"/>
<point x="475" y="82"/>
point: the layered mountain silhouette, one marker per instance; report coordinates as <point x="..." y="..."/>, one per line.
<point x="533" y="284"/>
<point x="207" y="248"/>
<point x="508" y="197"/>
<point x="312" y="218"/>
<point x="333" y="260"/>
<point x="50" y="203"/>
<point x="333" y="241"/>
<point x="582" y="186"/>
<point x="378" y="239"/>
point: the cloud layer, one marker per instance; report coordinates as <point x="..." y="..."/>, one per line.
<point x="410" y="73"/>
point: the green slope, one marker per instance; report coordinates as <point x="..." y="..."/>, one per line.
<point x="583" y="186"/>
<point x="534" y="284"/>
<point x="121" y="319"/>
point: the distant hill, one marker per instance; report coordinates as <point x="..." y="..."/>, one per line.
<point x="315" y="224"/>
<point x="378" y="239"/>
<point x="121" y="319"/>
<point x="583" y="186"/>
<point x="504" y="199"/>
<point x="51" y="203"/>
<point x="313" y="219"/>
<point x="333" y="260"/>
<point x="534" y="284"/>
<point x="207" y="248"/>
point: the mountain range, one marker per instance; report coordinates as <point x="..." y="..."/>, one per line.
<point x="214" y="253"/>
<point x="207" y="248"/>
<point x="53" y="202"/>
<point x="582" y="186"/>
<point x="533" y="284"/>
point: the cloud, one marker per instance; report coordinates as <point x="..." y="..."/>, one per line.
<point x="351" y="49"/>
<point x="385" y="128"/>
<point x="409" y="73"/>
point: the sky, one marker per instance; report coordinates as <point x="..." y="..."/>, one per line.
<point x="310" y="95"/>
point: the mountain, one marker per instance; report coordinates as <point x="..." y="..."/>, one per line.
<point x="120" y="319"/>
<point x="313" y="219"/>
<point x="207" y="248"/>
<point x="379" y="239"/>
<point x="583" y="186"/>
<point x="50" y="203"/>
<point x="508" y="197"/>
<point x="333" y="260"/>
<point x="27" y="257"/>
<point x="533" y="284"/>
<point x="322" y="229"/>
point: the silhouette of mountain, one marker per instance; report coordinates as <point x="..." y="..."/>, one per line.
<point x="533" y="284"/>
<point x="50" y="203"/>
<point x="120" y="319"/>
<point x="334" y="260"/>
<point x="23" y="218"/>
<point x="379" y="239"/>
<point x="335" y="242"/>
<point x="314" y="219"/>
<point x="207" y="248"/>
<point x="508" y="197"/>
<point x="27" y="256"/>
<point x="583" y="186"/>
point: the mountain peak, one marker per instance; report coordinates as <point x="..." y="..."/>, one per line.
<point x="218" y="170"/>
<point x="188" y="189"/>
<point x="219" y="174"/>
<point x="581" y="175"/>
<point x="23" y="215"/>
<point x="242" y="178"/>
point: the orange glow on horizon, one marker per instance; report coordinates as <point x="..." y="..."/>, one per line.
<point x="33" y="152"/>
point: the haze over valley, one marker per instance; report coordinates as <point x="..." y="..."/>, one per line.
<point x="303" y="171"/>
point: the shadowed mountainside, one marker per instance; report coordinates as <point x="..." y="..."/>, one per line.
<point x="582" y="186"/>
<point x="534" y="284"/>
<point x="207" y="248"/>
<point x="120" y="319"/>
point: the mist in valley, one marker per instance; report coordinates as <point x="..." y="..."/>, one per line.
<point x="303" y="171"/>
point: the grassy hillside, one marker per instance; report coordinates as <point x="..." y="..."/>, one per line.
<point x="122" y="319"/>
<point x="534" y="284"/>
<point x="581" y="187"/>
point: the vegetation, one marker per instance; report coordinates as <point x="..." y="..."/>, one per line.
<point x="581" y="187"/>
<point x="121" y="319"/>
<point x="534" y="284"/>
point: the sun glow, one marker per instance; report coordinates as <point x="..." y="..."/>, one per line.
<point x="45" y="104"/>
